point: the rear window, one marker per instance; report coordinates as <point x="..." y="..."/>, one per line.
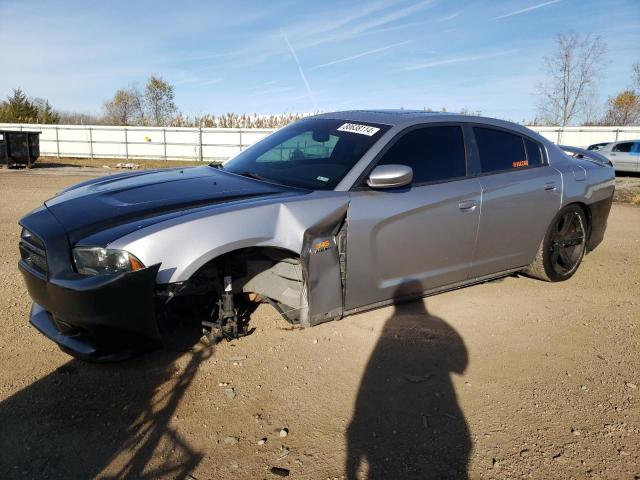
<point x="500" y="150"/>
<point x="434" y="153"/>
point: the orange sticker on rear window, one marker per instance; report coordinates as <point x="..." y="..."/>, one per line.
<point x="520" y="163"/>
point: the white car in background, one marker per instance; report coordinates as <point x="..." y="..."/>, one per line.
<point x="597" y="146"/>
<point x="624" y="155"/>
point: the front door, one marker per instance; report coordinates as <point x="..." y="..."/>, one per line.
<point x="405" y="241"/>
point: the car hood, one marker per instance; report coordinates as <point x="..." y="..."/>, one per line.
<point x="142" y="197"/>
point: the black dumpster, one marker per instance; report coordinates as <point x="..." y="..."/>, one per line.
<point x="19" y="148"/>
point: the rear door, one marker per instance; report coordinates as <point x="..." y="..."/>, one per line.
<point x="521" y="194"/>
<point x="404" y="241"/>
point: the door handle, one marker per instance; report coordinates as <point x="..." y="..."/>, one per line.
<point x="550" y="187"/>
<point x="612" y="154"/>
<point x="468" y="205"/>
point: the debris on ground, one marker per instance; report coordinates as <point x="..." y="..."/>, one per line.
<point x="284" y="451"/>
<point x="280" y="472"/>
<point x="128" y="166"/>
<point x="231" y="440"/>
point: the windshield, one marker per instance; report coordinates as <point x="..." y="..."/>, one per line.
<point x="312" y="153"/>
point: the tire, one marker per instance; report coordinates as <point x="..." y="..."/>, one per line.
<point x="562" y="248"/>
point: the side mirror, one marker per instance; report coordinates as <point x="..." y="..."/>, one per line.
<point x="390" y="176"/>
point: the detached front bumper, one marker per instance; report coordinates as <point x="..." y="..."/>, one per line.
<point x="97" y="318"/>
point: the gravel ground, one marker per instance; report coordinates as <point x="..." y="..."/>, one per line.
<point x="628" y="189"/>
<point x="509" y="379"/>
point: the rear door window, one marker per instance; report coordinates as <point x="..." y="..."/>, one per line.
<point x="501" y="151"/>
<point x="534" y="152"/>
<point x="622" y="147"/>
<point x="434" y="154"/>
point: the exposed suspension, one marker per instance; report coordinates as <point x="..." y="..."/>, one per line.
<point x="225" y="320"/>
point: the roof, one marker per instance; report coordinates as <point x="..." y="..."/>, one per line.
<point x="387" y="117"/>
<point x="404" y="118"/>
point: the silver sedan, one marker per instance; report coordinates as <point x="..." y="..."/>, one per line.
<point x="332" y="215"/>
<point x="624" y="155"/>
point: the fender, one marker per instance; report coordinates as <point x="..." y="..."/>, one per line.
<point x="185" y="244"/>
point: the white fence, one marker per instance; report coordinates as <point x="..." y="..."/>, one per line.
<point x="200" y="144"/>
<point x="584" y="136"/>
<point x="179" y="143"/>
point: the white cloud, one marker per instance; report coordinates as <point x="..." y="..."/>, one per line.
<point x="449" y="17"/>
<point x="528" y="9"/>
<point x="301" y="71"/>
<point x="450" y="61"/>
<point x="362" y="54"/>
<point x="353" y="23"/>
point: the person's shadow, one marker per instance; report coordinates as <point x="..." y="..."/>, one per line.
<point x="103" y="421"/>
<point x="407" y="422"/>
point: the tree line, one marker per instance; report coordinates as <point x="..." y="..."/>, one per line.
<point x="20" y="109"/>
<point x="568" y="95"/>
<point x="153" y="105"/>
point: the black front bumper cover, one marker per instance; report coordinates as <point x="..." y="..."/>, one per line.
<point x="100" y="318"/>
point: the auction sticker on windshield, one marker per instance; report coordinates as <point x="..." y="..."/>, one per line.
<point x="356" y="128"/>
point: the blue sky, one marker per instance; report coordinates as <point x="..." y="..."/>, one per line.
<point x="270" y="57"/>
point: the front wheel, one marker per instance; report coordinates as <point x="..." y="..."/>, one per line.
<point x="562" y="248"/>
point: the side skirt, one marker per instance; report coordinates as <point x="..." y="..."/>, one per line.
<point x="434" y="291"/>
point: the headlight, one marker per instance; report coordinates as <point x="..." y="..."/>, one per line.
<point x="96" y="261"/>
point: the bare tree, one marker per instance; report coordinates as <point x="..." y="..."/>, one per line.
<point x="572" y="73"/>
<point x="68" y="117"/>
<point x="125" y="108"/>
<point x="636" y="75"/>
<point x="159" y="99"/>
<point x="234" y="120"/>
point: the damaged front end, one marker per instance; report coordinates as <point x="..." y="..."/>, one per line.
<point x="295" y="261"/>
<point x="305" y="290"/>
<point x="223" y="294"/>
<point x="305" y="284"/>
<point x="96" y="318"/>
<point x="93" y="317"/>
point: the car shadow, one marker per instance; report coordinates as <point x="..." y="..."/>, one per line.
<point x="627" y="175"/>
<point x="407" y="422"/>
<point x="83" y="417"/>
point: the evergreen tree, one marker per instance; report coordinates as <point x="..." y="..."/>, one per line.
<point x="18" y="109"/>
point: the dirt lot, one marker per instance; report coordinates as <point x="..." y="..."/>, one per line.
<point x="510" y="379"/>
